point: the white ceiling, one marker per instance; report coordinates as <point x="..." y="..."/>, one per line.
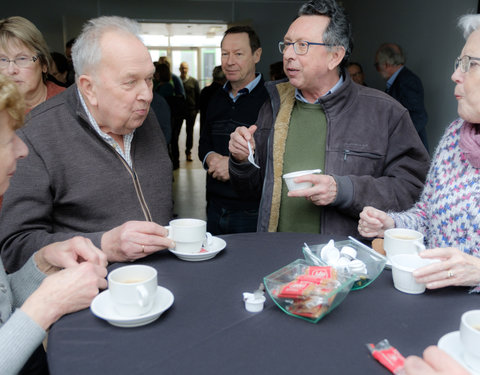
<point x="177" y="29"/>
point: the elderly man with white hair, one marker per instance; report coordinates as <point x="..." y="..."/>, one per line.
<point x="98" y="164"/>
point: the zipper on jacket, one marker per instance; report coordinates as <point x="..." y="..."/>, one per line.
<point x="138" y="187"/>
<point x="370" y="155"/>
<point x="133" y="174"/>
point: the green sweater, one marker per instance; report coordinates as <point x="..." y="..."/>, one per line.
<point x="304" y="149"/>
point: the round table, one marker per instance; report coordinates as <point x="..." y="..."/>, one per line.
<point x="208" y="331"/>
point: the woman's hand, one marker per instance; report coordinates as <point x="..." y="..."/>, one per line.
<point x="435" y="362"/>
<point x="455" y="268"/>
<point x="66" y="291"/>
<point x="373" y="222"/>
<point x="68" y="253"/>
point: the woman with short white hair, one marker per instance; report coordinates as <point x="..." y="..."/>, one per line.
<point x="448" y="212"/>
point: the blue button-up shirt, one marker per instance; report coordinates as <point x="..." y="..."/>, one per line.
<point x="228" y="87"/>
<point x="299" y="95"/>
<point x="393" y="77"/>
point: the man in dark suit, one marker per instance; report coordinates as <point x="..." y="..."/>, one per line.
<point x="403" y="85"/>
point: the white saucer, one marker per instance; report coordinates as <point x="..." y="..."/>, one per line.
<point x="213" y="249"/>
<point x="451" y="344"/>
<point x="103" y="308"/>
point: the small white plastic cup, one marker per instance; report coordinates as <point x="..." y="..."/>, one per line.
<point x="292" y="185"/>
<point x="252" y="303"/>
<point x="403" y="266"/>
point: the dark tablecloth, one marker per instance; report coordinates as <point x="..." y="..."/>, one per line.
<point x="208" y="330"/>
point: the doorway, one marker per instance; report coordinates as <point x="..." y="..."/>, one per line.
<point x="196" y="43"/>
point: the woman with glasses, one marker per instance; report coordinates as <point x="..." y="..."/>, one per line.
<point x="25" y="58"/>
<point x="448" y="212"/>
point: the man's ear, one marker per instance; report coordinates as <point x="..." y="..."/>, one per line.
<point x="336" y="57"/>
<point x="87" y="87"/>
<point x="257" y="54"/>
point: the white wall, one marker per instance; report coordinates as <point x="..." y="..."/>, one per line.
<point x="427" y="31"/>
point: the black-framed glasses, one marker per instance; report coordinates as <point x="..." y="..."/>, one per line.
<point x="300" y="46"/>
<point x="21" y="62"/>
<point x="465" y="62"/>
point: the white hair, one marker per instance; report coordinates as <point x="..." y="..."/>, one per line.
<point x="86" y="51"/>
<point x="469" y="23"/>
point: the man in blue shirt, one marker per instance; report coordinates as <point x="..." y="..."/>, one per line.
<point x="237" y="104"/>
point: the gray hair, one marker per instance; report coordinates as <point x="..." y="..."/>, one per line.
<point x="469" y="23"/>
<point x="391" y="54"/>
<point x="86" y="51"/>
<point x="339" y="29"/>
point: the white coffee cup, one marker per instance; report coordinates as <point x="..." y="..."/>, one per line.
<point x="470" y="338"/>
<point x="402" y="241"/>
<point x="403" y="266"/>
<point x="189" y="235"/>
<point x="133" y="289"/>
<point x="292" y="185"/>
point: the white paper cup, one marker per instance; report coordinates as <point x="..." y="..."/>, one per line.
<point x="470" y="337"/>
<point x="189" y="235"/>
<point x="292" y="185"/>
<point x="133" y="289"/>
<point x="403" y="266"/>
<point x="402" y="241"/>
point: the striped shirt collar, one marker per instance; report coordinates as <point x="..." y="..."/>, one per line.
<point x="127" y="138"/>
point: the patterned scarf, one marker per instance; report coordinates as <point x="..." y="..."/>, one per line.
<point x="470" y="143"/>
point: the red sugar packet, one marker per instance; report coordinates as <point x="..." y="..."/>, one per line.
<point x="388" y="356"/>
<point x="296" y="289"/>
<point x="325" y="272"/>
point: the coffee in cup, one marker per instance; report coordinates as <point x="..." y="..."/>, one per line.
<point x="189" y="235"/>
<point x="133" y="289"/>
<point x="402" y="241"/>
<point x="470" y="338"/>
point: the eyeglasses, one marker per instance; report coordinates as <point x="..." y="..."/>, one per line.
<point x="300" y="46"/>
<point x="465" y="62"/>
<point x="21" y="62"/>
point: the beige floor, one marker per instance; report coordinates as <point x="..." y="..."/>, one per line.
<point x="189" y="181"/>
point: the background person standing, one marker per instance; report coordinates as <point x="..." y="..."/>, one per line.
<point x="192" y="97"/>
<point x="403" y="85"/>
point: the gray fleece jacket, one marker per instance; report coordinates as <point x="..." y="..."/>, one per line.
<point x="19" y="334"/>
<point x="74" y="183"/>
<point x="372" y="151"/>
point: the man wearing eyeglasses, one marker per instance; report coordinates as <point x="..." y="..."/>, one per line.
<point x="403" y="85"/>
<point x="362" y="139"/>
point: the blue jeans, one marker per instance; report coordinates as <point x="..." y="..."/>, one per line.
<point x="225" y="220"/>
